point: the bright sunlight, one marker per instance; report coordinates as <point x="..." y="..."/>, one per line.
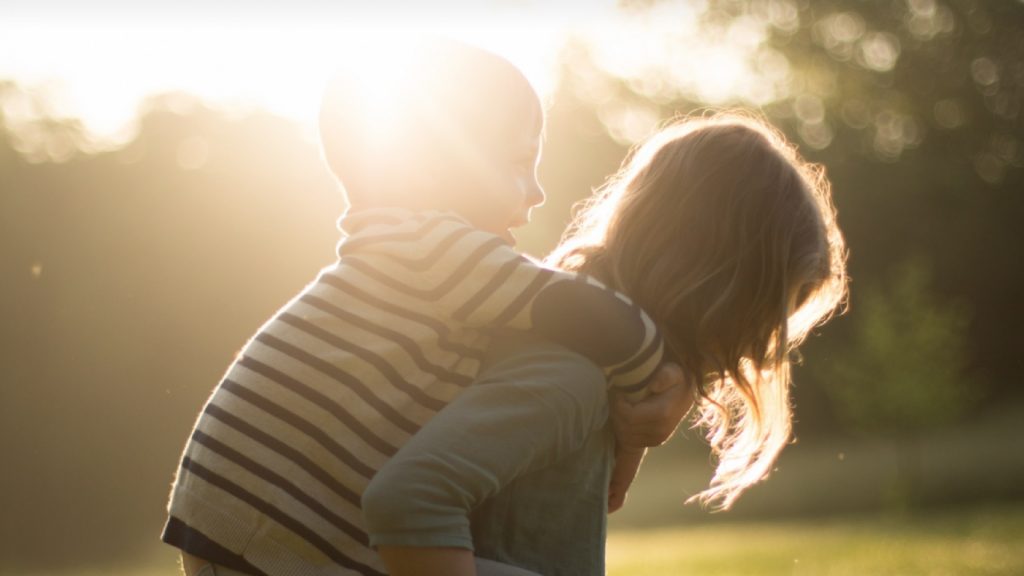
<point x="99" y="68"/>
<point x="99" y="65"/>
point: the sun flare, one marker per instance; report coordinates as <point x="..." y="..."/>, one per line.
<point x="97" y="67"/>
<point x="100" y="73"/>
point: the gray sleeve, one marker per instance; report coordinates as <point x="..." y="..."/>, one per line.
<point x="533" y="404"/>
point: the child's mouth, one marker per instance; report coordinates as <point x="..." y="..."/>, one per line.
<point x="519" y="223"/>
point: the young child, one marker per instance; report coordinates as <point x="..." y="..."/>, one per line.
<point x="347" y="371"/>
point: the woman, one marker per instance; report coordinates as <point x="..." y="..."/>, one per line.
<point x="728" y="239"/>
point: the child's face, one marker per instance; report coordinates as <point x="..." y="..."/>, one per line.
<point x="514" y="190"/>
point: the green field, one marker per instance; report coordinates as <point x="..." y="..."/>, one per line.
<point x="979" y="540"/>
<point x="966" y="542"/>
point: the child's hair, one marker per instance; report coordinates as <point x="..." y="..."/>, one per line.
<point x="428" y="130"/>
<point x="716" y="227"/>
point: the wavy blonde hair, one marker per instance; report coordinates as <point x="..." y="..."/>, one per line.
<point x="728" y="238"/>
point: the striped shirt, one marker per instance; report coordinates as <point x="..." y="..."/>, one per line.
<point x="346" y="372"/>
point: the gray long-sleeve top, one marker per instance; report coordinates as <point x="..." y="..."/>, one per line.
<point x="518" y="465"/>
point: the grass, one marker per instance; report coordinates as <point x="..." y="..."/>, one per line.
<point x="966" y="542"/>
<point x="974" y="541"/>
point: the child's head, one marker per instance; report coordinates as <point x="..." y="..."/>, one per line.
<point x="728" y="239"/>
<point x="453" y="127"/>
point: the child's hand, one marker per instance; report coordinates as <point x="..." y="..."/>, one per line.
<point x="652" y="420"/>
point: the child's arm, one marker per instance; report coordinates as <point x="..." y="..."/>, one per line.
<point x="475" y="278"/>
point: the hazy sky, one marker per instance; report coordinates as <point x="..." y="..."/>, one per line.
<point x="98" y="61"/>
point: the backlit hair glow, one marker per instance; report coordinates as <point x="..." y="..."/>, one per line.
<point x="728" y="238"/>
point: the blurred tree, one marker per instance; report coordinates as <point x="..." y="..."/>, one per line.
<point x="905" y="367"/>
<point x="915" y="107"/>
<point x="904" y="371"/>
<point x="876" y="78"/>
<point x="131" y="277"/>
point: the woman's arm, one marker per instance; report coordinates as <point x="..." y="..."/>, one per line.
<point x="410" y="560"/>
<point x="627" y="464"/>
<point x="645" y="424"/>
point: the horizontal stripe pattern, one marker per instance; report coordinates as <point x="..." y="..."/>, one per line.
<point x="280" y="482"/>
<point x="444" y="341"/>
<point x="286" y="451"/>
<point x="339" y="411"/>
<point x="279" y="516"/>
<point x="342" y="376"/>
<point x="407" y="344"/>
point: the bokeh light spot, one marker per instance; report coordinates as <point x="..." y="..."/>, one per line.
<point x="847" y="27"/>
<point x="984" y="71"/>
<point x="989" y="167"/>
<point x="879" y="51"/>
<point x="926" y="19"/>
<point x="817" y="135"/>
<point x="894" y="132"/>
<point x="628" y="123"/>
<point x="781" y="14"/>
<point x="809" y="108"/>
<point x="1006" y="147"/>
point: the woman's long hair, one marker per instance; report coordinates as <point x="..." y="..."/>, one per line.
<point x="728" y="239"/>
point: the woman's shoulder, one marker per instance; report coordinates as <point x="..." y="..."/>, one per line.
<point x="543" y="368"/>
<point x="527" y="352"/>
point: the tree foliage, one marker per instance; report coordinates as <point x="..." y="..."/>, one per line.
<point x="915" y="109"/>
<point x="905" y="366"/>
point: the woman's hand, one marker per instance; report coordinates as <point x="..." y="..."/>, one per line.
<point x="652" y="420"/>
<point x="645" y="423"/>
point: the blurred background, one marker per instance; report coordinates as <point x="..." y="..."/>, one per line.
<point x="161" y="194"/>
